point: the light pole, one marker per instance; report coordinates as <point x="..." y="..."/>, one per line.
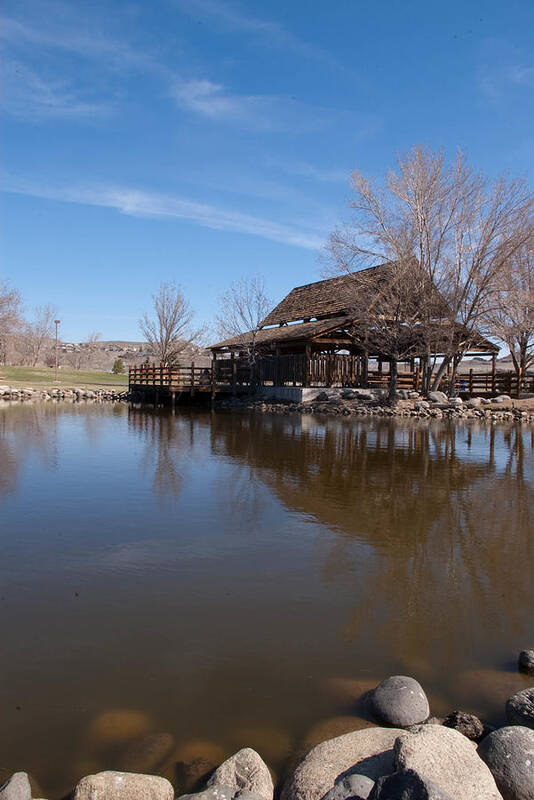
<point x="57" y="321"/>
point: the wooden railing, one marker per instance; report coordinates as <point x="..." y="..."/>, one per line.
<point x="319" y="370"/>
<point x="178" y="377"/>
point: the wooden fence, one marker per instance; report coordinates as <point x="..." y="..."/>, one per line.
<point x="317" y="371"/>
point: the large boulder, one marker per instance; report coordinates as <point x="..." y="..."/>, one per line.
<point x="16" y="788"/>
<point x="406" y="784"/>
<point x="509" y="753"/>
<point x="244" y="770"/>
<point x="123" y="786"/>
<point x="467" y="724"/>
<point x="520" y="708"/>
<point x="449" y="759"/>
<point x="218" y="792"/>
<point x="354" y="786"/>
<point x="437" y="397"/>
<point x="146" y="754"/>
<point x="399" y="701"/>
<point x="367" y="752"/>
<point x="526" y="661"/>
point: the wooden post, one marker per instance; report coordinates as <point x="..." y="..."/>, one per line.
<point x="470" y="381"/>
<point x="493" y="373"/>
<point x="365" y="369"/>
<point x="213" y="378"/>
<point x="192" y="378"/>
<point x="307" y="365"/>
<point x="234" y="374"/>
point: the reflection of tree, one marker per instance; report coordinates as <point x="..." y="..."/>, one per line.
<point x="433" y="524"/>
<point x="26" y="429"/>
<point x="31" y="428"/>
<point x="168" y="440"/>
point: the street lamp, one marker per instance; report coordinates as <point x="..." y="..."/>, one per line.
<point x="57" y="321"/>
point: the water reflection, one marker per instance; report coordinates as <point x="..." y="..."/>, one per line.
<point x="444" y="511"/>
<point x="217" y="574"/>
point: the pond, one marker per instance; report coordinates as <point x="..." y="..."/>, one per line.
<point x="238" y="579"/>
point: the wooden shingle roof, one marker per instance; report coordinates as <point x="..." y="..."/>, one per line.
<point x="332" y="296"/>
<point x="302" y="331"/>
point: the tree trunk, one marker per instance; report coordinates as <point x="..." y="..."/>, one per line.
<point x="392" y="388"/>
<point x="455" y="362"/>
<point x="440" y="373"/>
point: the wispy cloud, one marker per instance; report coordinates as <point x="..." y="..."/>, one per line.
<point x="503" y="68"/>
<point x="228" y="17"/>
<point x="137" y="203"/>
<point x="67" y="37"/>
<point x="28" y="95"/>
<point x="304" y="169"/>
<point x="262" y="112"/>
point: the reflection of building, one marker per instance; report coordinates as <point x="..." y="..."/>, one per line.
<point x="315" y="335"/>
<point x="422" y="533"/>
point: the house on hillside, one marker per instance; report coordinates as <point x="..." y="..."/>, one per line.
<point x="315" y="335"/>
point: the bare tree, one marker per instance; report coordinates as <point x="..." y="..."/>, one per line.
<point x="511" y="319"/>
<point x="169" y="330"/>
<point x="10" y="317"/>
<point x="242" y="308"/>
<point x="37" y="334"/>
<point x="453" y="225"/>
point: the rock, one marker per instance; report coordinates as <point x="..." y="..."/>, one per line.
<point x="429" y="721"/>
<point x="329" y="729"/>
<point x="272" y="743"/>
<point x="407" y="784"/>
<point x="474" y="402"/>
<point x="437" y="397"/>
<point x="146" y="754"/>
<point x="399" y="701"/>
<point x="244" y="794"/>
<point x="16" y="788"/>
<point x="355" y="786"/>
<point x="520" y="708"/>
<point x="449" y="759"/>
<point x="118" y="726"/>
<point x="509" y="753"/>
<point x="368" y="752"/>
<point x="467" y="724"/>
<point x="191" y="764"/>
<point x="123" y="786"/>
<point x="244" y="770"/>
<point x="502" y="398"/>
<point x="421" y="404"/>
<point x="219" y="792"/>
<point x="526" y="661"/>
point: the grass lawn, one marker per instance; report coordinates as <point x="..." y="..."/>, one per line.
<point x="43" y="377"/>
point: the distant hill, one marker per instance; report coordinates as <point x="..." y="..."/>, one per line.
<point x="106" y="352"/>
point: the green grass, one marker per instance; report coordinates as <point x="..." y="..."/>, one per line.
<point x="43" y="377"/>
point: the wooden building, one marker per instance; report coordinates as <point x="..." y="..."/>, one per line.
<point x="312" y="338"/>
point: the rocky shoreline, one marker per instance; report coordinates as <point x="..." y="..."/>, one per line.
<point x="397" y="752"/>
<point x="369" y="403"/>
<point x="29" y="393"/>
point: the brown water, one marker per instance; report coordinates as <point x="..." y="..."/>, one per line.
<point x="238" y="579"/>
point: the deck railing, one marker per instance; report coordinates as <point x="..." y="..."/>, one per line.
<point x="316" y="371"/>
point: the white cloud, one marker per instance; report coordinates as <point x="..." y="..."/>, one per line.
<point x="28" y="95"/>
<point x="257" y="112"/>
<point x="145" y="204"/>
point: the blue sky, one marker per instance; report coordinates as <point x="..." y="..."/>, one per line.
<point x="202" y="140"/>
